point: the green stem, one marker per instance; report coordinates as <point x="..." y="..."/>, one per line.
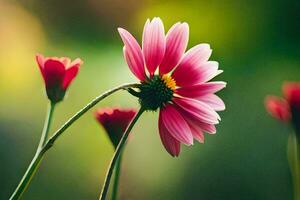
<point x="47" y="125"/>
<point x="47" y="145"/>
<point x="117" y="178"/>
<point x="294" y="161"/>
<point x="117" y="154"/>
<point x="37" y="157"/>
<point x="51" y="141"/>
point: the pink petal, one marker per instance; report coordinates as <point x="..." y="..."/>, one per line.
<point x="209" y="128"/>
<point x="201" y="89"/>
<point x="154" y="44"/>
<point x="196" y="56"/>
<point x="278" y="108"/>
<point x="213" y="101"/>
<point x="198" y="134"/>
<point x="192" y="59"/>
<point x="76" y="63"/>
<point x="208" y="70"/>
<point x="201" y="74"/>
<point x="66" y="61"/>
<point x="41" y="61"/>
<point x="54" y="72"/>
<point x="176" y="125"/>
<point x="198" y="110"/>
<point x="176" y="43"/>
<point x="70" y="75"/>
<point x="170" y="143"/>
<point x="133" y="54"/>
<point x="196" y="131"/>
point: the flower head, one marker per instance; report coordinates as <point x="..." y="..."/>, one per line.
<point x="175" y="82"/>
<point x="286" y="109"/>
<point x="115" y="122"/>
<point x="58" y="73"/>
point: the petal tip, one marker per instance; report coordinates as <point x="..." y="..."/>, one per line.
<point x="120" y="29"/>
<point x="122" y="32"/>
<point x="38" y="55"/>
<point x="185" y="26"/>
<point x="80" y="61"/>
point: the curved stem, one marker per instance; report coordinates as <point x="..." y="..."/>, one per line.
<point x="37" y="157"/>
<point x="41" y="151"/>
<point x="117" y="178"/>
<point x="117" y="154"/>
<point x="52" y="139"/>
<point x="47" y="124"/>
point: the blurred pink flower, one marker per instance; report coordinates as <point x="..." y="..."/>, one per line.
<point x="288" y="108"/>
<point x="176" y="82"/>
<point x="282" y="108"/>
<point x="58" y="73"/>
<point x="291" y="91"/>
<point x="278" y="108"/>
<point x="114" y="121"/>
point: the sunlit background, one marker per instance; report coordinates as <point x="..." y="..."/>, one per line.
<point x="257" y="46"/>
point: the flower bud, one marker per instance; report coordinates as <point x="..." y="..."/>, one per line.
<point x="58" y="73"/>
<point x="115" y="122"/>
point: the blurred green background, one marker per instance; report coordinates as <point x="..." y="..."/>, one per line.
<point x="257" y="46"/>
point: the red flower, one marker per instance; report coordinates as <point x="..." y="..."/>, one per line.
<point x="287" y="108"/>
<point x="58" y="73"/>
<point x="115" y="122"/>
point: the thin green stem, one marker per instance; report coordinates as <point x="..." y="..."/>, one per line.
<point x="47" y="125"/>
<point x="52" y="139"/>
<point x="37" y="157"/>
<point x="294" y="161"/>
<point x="47" y="145"/>
<point x="117" y="178"/>
<point x="117" y="154"/>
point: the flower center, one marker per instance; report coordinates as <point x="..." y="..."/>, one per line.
<point x="157" y="91"/>
<point x="169" y="82"/>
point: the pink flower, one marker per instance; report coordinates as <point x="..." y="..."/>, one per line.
<point x="115" y="122"/>
<point x="58" y="73"/>
<point x="176" y="82"/>
<point x="286" y="109"/>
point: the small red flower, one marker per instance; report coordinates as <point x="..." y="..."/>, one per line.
<point x="287" y="108"/>
<point x="115" y="122"/>
<point x="58" y="73"/>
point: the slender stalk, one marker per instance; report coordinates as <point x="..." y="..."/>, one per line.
<point x="294" y="161"/>
<point x="47" y="145"/>
<point x="47" y="125"/>
<point x="117" y="154"/>
<point x="37" y="157"/>
<point x="52" y="139"/>
<point x="117" y="178"/>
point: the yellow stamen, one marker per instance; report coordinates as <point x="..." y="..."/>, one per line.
<point x="169" y="81"/>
